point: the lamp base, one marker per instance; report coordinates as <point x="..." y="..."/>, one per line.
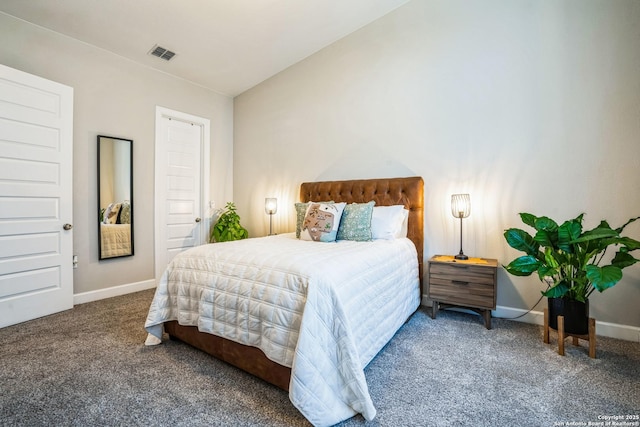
<point x="461" y="257"/>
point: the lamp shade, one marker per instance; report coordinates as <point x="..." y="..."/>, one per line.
<point x="270" y="205"/>
<point x="460" y="205"/>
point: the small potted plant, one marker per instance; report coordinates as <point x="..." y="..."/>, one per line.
<point x="571" y="262"/>
<point x="227" y="226"/>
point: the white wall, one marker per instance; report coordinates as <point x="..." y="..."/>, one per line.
<point x="526" y="105"/>
<point x="116" y="97"/>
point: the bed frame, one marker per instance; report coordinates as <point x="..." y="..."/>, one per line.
<point x="391" y="191"/>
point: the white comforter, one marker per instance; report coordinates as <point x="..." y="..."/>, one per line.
<point x="323" y="309"/>
<point x="115" y="240"/>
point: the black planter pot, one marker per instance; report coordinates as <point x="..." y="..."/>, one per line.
<point x="576" y="315"/>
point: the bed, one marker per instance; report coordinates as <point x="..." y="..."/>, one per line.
<point x="115" y="240"/>
<point x="312" y="336"/>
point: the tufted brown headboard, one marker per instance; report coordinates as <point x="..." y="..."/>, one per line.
<point x="385" y="191"/>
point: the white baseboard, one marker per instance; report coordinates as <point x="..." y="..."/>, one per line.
<point x="605" y="329"/>
<point x="114" y="291"/>
<point x="509" y="313"/>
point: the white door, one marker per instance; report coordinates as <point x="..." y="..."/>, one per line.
<point x="36" y="163"/>
<point x="182" y="177"/>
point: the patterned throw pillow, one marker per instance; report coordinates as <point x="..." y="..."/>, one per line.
<point x="356" y="222"/>
<point x="111" y="213"/>
<point x="301" y="211"/>
<point x="321" y="221"/>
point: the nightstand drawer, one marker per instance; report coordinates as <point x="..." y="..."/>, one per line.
<point x="463" y="273"/>
<point x="456" y="291"/>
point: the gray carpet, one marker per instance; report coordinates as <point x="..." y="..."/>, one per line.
<point x="89" y="367"/>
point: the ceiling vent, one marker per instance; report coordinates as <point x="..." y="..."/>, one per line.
<point x="162" y="53"/>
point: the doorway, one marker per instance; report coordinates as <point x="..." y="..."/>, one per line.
<point x="181" y="184"/>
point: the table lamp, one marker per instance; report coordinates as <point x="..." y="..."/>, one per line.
<point x="460" y="208"/>
<point x="270" y="208"/>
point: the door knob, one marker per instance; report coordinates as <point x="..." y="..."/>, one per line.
<point x="67" y="226"/>
<point x="198" y="219"/>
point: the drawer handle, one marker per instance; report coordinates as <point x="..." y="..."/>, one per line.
<point x="459" y="282"/>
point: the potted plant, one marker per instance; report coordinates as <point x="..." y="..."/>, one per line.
<point x="571" y="262"/>
<point x="228" y="227"/>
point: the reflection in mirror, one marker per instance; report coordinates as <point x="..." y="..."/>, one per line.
<point x="115" y="196"/>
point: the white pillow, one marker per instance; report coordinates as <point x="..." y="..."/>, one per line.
<point x="389" y="222"/>
<point x="404" y="230"/>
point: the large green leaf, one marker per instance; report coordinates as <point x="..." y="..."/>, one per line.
<point x="522" y="241"/>
<point x="546" y="238"/>
<point x="629" y="243"/>
<point x="596" y="241"/>
<point x="557" y="291"/>
<point x="523" y="266"/>
<point x="623" y="259"/>
<point x="546" y="224"/>
<point x="603" y="277"/>
<point x="595" y="234"/>
<point x="546" y="271"/>
<point x="528" y="219"/>
<point x="567" y="232"/>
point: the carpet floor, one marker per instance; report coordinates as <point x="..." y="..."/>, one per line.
<point x="89" y="367"/>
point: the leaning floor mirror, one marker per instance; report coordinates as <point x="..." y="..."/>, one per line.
<point x="115" y="197"/>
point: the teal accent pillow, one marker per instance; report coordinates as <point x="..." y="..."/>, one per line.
<point x="301" y="211"/>
<point x="356" y="222"/>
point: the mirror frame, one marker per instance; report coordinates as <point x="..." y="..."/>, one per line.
<point x="100" y="139"/>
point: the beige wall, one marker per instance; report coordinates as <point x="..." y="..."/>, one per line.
<point x="528" y="106"/>
<point x="116" y="97"/>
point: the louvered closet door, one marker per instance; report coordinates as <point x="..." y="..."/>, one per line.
<point x="36" y="163"/>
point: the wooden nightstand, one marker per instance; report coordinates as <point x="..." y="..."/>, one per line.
<point x="470" y="284"/>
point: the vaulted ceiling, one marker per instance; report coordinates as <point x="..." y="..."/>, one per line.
<point x="227" y="46"/>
